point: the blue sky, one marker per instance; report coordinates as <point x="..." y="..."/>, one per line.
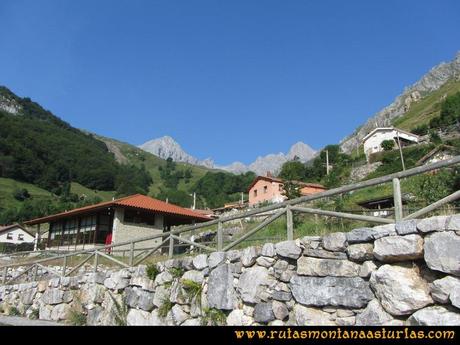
<point x="230" y="80"/>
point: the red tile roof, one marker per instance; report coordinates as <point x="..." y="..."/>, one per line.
<point x="138" y="201"/>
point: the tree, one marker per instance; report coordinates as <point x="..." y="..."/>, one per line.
<point x="291" y="190"/>
<point x="293" y="170"/>
<point x="21" y="194"/>
<point x="387" y="145"/>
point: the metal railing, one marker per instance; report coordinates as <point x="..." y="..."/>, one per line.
<point x="166" y="240"/>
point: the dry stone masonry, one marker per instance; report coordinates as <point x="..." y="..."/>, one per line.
<point x="398" y="274"/>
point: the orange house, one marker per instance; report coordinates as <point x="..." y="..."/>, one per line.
<point x="271" y="189"/>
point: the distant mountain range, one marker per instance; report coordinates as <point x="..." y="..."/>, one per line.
<point x="166" y="147"/>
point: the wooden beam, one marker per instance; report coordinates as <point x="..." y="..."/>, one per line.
<point x="289" y="224"/>
<point x="181" y="239"/>
<point x="343" y="215"/>
<point x="452" y="197"/>
<point x="397" y="199"/>
<point x="256" y="229"/>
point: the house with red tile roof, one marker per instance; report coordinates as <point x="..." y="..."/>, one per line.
<point x="115" y="221"/>
<point x="271" y="189"/>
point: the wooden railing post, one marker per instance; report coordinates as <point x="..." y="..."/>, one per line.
<point x="131" y="254"/>
<point x="171" y="247"/>
<point x="220" y="237"/>
<point x="289" y="224"/>
<point x="96" y="260"/>
<point x="5" y="275"/>
<point x="397" y="199"/>
<point x="64" y="266"/>
<point x="35" y="273"/>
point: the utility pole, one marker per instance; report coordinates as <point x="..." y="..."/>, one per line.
<point x="194" y="200"/>
<point x="400" y="151"/>
<point x="242" y="198"/>
<point x="327" y="162"/>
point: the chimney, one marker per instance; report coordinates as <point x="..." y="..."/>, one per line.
<point x="269" y="174"/>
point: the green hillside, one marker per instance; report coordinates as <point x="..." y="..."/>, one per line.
<point x="429" y="107"/>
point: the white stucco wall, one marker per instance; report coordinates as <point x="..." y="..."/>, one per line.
<point x="372" y="144"/>
<point x="16" y="232"/>
<point x="123" y="231"/>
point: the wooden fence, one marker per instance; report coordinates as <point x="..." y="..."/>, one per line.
<point x="275" y="211"/>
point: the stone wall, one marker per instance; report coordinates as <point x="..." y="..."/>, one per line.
<point x="408" y="273"/>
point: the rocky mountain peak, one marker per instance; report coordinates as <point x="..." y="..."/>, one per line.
<point x="430" y="82"/>
<point x="8" y="102"/>
<point x="166" y="147"/>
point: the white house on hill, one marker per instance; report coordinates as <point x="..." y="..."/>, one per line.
<point x="372" y="141"/>
<point x="15" y="234"/>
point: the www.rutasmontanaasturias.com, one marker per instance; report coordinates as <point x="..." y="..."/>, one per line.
<point x="338" y="333"/>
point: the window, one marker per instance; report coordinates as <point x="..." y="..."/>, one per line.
<point x="265" y="189"/>
<point x="138" y="217"/>
<point x="20" y="237"/>
<point x="255" y="192"/>
<point x="9" y="236"/>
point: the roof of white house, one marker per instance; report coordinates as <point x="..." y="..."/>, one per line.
<point x="12" y="227"/>
<point x="381" y="129"/>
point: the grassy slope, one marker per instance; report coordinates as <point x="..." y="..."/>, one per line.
<point x="427" y="108"/>
<point x="82" y="190"/>
<point x="7" y="187"/>
<point x="152" y="163"/>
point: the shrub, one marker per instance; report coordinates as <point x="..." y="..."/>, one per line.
<point x="387" y="145"/>
<point x="165" y="307"/>
<point x="213" y="317"/>
<point x="152" y="271"/>
<point x="14" y="312"/>
<point x="77" y="318"/>
<point x="35" y="314"/>
<point x="193" y="290"/>
<point x="176" y="272"/>
<point x="121" y="311"/>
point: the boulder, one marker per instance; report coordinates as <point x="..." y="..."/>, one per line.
<point x="324" y="254"/>
<point x="200" y="261"/>
<point x="288" y="249"/>
<point x="455" y="298"/>
<point x="238" y="318"/>
<point x="195" y="276"/>
<point x="335" y="242"/>
<point x="406" y="227"/>
<point x="398" y="248"/>
<point x="367" y="268"/>
<point x="268" y="250"/>
<point x="438" y="223"/>
<point x="265" y="261"/>
<point x="233" y="255"/>
<point x="326" y="267"/>
<point x="60" y="312"/>
<point x="192" y="322"/>
<point x="250" y="281"/>
<point x="143" y="282"/>
<point x="360" y="252"/>
<point x="435" y="316"/>
<point x="305" y="316"/>
<point x="454" y="223"/>
<point x="280" y="310"/>
<point x="216" y="258"/>
<point x="161" y="294"/>
<point x="142" y="318"/>
<point x="27" y="296"/>
<point x="346" y="321"/>
<point x="331" y="291"/>
<point x="282" y="296"/>
<point x="249" y="256"/>
<point x="163" y="278"/>
<point x="373" y="315"/>
<point x="56" y="296"/>
<point x="442" y="252"/>
<point x="361" y="235"/>
<point x="263" y="312"/>
<point x="400" y="289"/>
<point x="384" y="230"/>
<point x="442" y="288"/>
<point x="221" y="294"/>
<point x="178" y="315"/>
